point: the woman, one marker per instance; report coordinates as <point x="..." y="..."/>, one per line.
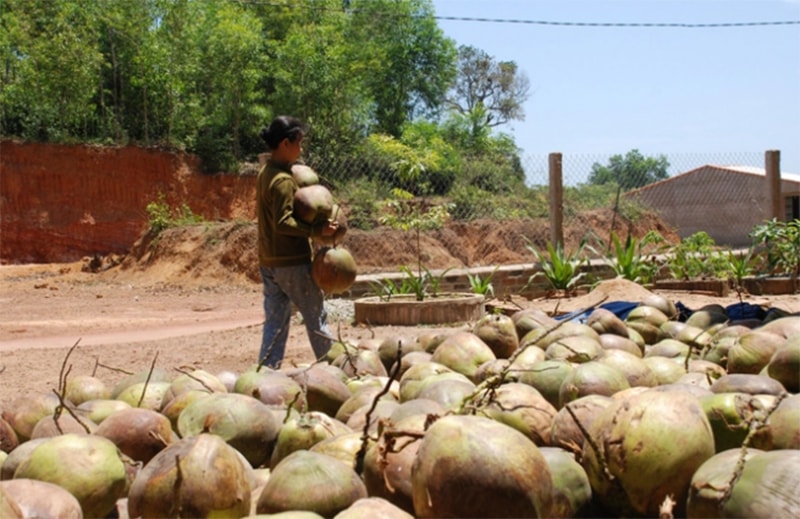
<point x="284" y="248"/>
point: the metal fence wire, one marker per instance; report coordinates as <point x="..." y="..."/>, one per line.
<point x="723" y="194"/>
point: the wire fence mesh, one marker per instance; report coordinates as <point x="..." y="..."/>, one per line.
<point x="722" y="194"/>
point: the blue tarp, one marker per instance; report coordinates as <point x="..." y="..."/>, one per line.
<point x="735" y="312"/>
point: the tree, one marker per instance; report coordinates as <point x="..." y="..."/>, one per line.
<point x="487" y="92"/>
<point x="629" y="172"/>
<point x="406" y="61"/>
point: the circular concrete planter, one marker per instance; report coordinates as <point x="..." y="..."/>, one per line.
<point x="405" y="310"/>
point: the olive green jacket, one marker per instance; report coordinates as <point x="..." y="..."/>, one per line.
<point x="283" y="240"/>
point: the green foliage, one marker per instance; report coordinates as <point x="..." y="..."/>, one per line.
<point x="781" y="242"/>
<point x="362" y="198"/>
<point x="696" y="256"/>
<point x="629" y="260"/>
<point x="473" y="203"/>
<point x="561" y="269"/>
<point x="740" y="266"/>
<point x="421" y="285"/>
<point x="482" y="285"/>
<point x="632" y="171"/>
<point x="406" y="213"/>
<point x="161" y="216"/>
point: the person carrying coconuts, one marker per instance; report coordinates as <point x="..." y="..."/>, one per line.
<point x="284" y="248"/>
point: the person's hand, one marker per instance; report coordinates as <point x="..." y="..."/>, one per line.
<point x="329" y="228"/>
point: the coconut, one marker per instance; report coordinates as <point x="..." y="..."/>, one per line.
<point x="323" y="386"/>
<point x="711" y="480"/>
<point x="499" y="333"/>
<point x="90" y="467"/>
<point x="753" y="351"/>
<point x="304" y="176"/>
<point x="243" y="422"/>
<point x="604" y="321"/>
<point x="572" y="493"/>
<point x="465" y="463"/>
<point x="591" y="378"/>
<point x="784" y="365"/>
<point x="8" y="438"/>
<point x="446" y="390"/>
<point x="66" y="423"/>
<point x="546" y="376"/>
<point x="463" y="352"/>
<point x="99" y="410"/>
<point x="173" y="409"/>
<point x="519" y="406"/>
<point x="156" y="375"/>
<point x="303" y="432"/>
<point x="313" y="204"/>
<point x="17" y="456"/>
<point x="388" y="462"/>
<point x="345" y="447"/>
<point x="272" y="388"/>
<point x="644" y="448"/>
<point x="747" y="383"/>
<point x="307" y="480"/>
<point x="337" y="216"/>
<point x="201" y="476"/>
<point x="576" y="348"/>
<point x="198" y="379"/>
<point x="565" y="432"/>
<point x="139" y="433"/>
<point x="636" y="371"/>
<point x="781" y="430"/>
<point x="362" y="363"/>
<point x="31" y="499"/>
<point x="371" y="508"/>
<point x="667" y="371"/>
<point x="25" y="411"/>
<point x="728" y="414"/>
<point x="766" y="485"/>
<point x="80" y="388"/>
<point x="333" y="270"/>
<point x="147" y="395"/>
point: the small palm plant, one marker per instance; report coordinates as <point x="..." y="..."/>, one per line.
<point x="561" y="269"/>
<point x="629" y="260"/>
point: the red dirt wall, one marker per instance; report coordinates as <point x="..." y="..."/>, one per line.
<point x="60" y="203"/>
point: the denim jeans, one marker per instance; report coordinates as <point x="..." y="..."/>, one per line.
<point x="282" y="287"/>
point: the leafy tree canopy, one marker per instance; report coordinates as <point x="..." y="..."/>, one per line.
<point x="631" y="171"/>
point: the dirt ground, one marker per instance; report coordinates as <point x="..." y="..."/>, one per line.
<point x="182" y="305"/>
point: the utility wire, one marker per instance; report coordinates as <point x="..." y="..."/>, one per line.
<point x="680" y="25"/>
<point x="618" y="24"/>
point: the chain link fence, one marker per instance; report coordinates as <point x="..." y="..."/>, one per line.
<point x="543" y="201"/>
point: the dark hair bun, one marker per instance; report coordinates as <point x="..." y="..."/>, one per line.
<point x="282" y="127"/>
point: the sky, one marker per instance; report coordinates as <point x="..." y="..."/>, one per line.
<point x="715" y="92"/>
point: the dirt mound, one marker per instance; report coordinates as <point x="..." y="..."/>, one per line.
<point x="213" y="252"/>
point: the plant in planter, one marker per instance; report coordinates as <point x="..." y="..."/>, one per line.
<point x="630" y="260"/>
<point x="781" y="242"/>
<point x="695" y="257"/>
<point x="405" y="214"/>
<point x="561" y="269"/>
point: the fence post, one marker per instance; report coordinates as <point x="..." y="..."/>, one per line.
<point x="556" y="199"/>
<point x="772" y="166"/>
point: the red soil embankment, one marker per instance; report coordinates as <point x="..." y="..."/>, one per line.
<point x="60" y="203"/>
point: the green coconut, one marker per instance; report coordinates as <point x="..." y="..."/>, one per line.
<point x="767" y="486"/>
<point x="200" y="476"/>
<point x="373" y="508"/>
<point x="644" y="448"/>
<point x="303" y="432"/>
<point x="139" y="433"/>
<point x="710" y="482"/>
<point x="90" y="467"/>
<point x="29" y="498"/>
<point x="465" y="463"/>
<point x="566" y="430"/>
<point x="753" y="351"/>
<point x="546" y="376"/>
<point x="334" y="270"/>
<point x="519" y="406"/>
<point x="273" y="388"/>
<point x="243" y="422"/>
<point x="499" y="333"/>
<point x="784" y="365"/>
<point x="307" y="480"/>
<point x="591" y="378"/>
<point x="572" y="492"/>
<point x="463" y="352"/>
<point x="80" y="388"/>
